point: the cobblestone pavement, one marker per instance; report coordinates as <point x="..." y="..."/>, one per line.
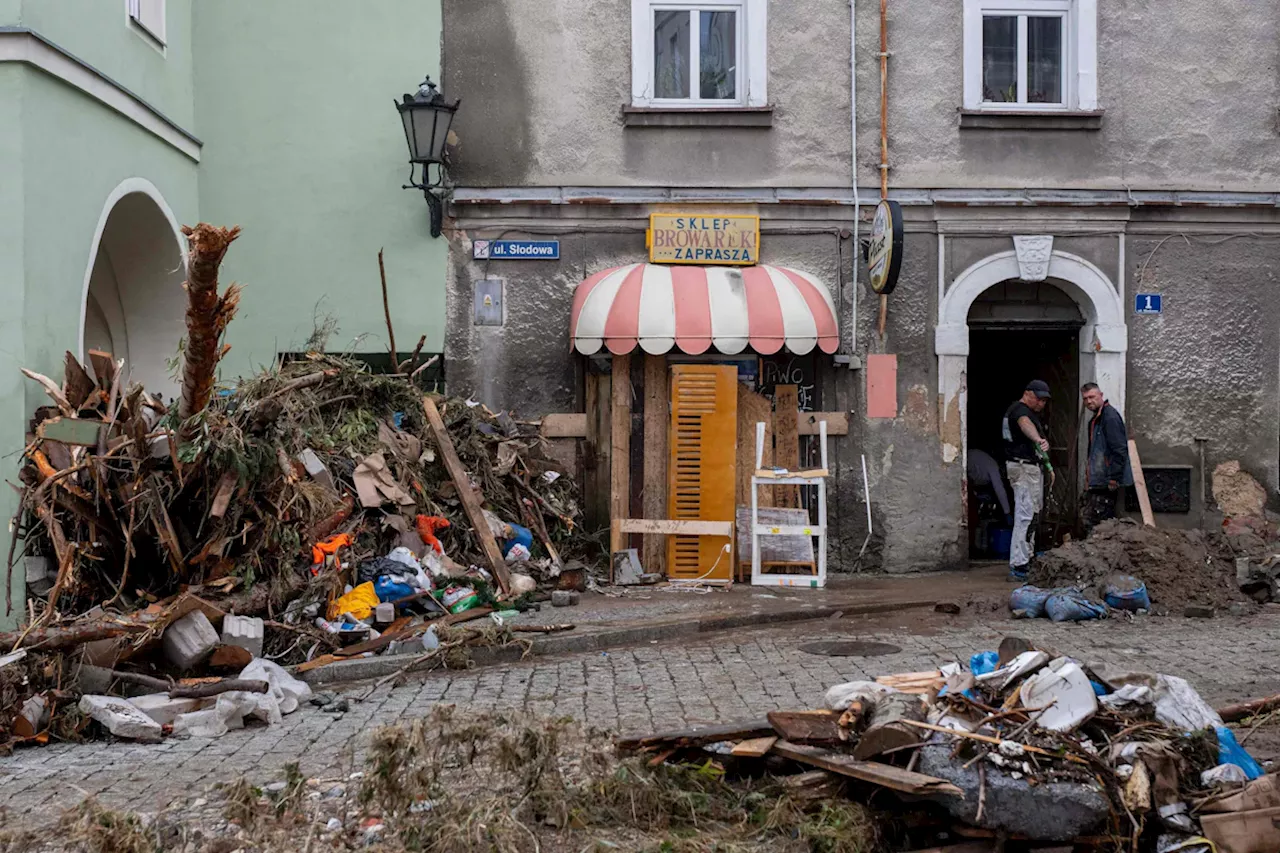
<point x="722" y="677"/>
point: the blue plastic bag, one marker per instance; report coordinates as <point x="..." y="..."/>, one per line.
<point x="390" y="590"/>
<point x="984" y="662"/>
<point x="1030" y="599"/>
<point x="1125" y="592"/>
<point x="1069" y="605"/>
<point x="519" y="536"/>
<point x="1231" y="752"/>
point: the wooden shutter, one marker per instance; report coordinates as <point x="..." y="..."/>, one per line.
<point x="702" y="472"/>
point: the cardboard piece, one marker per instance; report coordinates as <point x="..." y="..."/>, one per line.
<point x="374" y="483"/>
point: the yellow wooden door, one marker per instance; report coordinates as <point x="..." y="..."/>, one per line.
<point x="703" y="467"/>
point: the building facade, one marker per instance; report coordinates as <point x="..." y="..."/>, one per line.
<point x="122" y="120"/>
<point x="1084" y="200"/>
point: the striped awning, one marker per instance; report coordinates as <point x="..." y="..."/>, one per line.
<point x="694" y="308"/>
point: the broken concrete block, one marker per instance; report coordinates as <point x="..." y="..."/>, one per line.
<point x="40" y="574"/>
<point x="1198" y="611"/>
<point x="121" y="718"/>
<point x="564" y="598"/>
<point x="1053" y="811"/>
<point x="188" y="641"/>
<point x="162" y="709"/>
<point x="208" y="723"/>
<point x="243" y="631"/>
<point x="92" y="679"/>
<point x="316" y="469"/>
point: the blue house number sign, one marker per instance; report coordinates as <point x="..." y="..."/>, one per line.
<point x="1147" y="303"/>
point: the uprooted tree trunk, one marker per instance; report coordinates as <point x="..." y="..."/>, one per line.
<point x="207" y="314"/>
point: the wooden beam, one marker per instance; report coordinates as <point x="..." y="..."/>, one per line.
<point x="657" y="417"/>
<point x="786" y="441"/>
<point x="1140" y="485"/>
<point x="620" y="439"/>
<point x="837" y="422"/>
<point x="578" y="424"/>
<point x="697" y="736"/>
<point x="671" y="527"/>
<point x="884" y="775"/>
<point x="570" y="425"/>
<point x="466" y="494"/>
<point x="596" y="485"/>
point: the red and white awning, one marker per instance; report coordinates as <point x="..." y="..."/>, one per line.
<point x="694" y="308"/>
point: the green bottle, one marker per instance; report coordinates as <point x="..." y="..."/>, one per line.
<point x="1043" y="456"/>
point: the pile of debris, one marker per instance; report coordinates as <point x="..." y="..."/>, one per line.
<point x="1190" y="571"/>
<point x="313" y="512"/>
<point x="1022" y="745"/>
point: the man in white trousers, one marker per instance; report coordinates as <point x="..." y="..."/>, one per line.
<point x="1024" y="446"/>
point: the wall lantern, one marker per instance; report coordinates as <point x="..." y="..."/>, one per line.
<point x="427" y="117"/>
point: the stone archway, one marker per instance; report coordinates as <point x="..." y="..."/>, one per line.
<point x="1103" y="338"/>
<point x="133" y="303"/>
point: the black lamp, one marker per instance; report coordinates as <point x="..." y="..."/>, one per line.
<point x="427" y="118"/>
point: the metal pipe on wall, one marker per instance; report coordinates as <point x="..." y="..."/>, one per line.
<point x="853" y="165"/>
<point x="884" y="132"/>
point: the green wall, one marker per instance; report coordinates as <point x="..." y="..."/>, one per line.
<point x="98" y="32"/>
<point x="305" y="151"/>
<point x="12" y="318"/>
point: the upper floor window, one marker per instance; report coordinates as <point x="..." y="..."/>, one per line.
<point x="148" y="15"/>
<point x="702" y="54"/>
<point x="1032" y="55"/>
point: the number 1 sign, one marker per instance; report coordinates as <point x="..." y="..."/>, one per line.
<point x="1147" y="303"/>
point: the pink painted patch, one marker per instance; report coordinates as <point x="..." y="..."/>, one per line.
<point x="882" y="386"/>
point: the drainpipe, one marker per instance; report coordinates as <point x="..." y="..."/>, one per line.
<point x="884" y="131"/>
<point x="853" y="162"/>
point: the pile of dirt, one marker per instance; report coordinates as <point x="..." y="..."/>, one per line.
<point x="1179" y="567"/>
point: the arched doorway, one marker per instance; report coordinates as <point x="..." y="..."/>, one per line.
<point x="134" y="303"/>
<point x="1095" y="330"/>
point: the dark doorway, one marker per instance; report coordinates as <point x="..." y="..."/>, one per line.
<point x="1002" y="360"/>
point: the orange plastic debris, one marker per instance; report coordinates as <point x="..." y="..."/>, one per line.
<point x="329" y="546"/>
<point x="427" y="527"/>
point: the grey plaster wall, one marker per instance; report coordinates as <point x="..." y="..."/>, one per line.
<point x="543" y="86"/>
<point x="1209" y="365"/>
<point x="1189" y="89"/>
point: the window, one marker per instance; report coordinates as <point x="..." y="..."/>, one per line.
<point x="148" y="15"/>
<point x="698" y="54"/>
<point x="1030" y="55"/>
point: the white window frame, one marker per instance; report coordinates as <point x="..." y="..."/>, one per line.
<point x="752" y="82"/>
<point x="148" y="17"/>
<point x="1079" y="45"/>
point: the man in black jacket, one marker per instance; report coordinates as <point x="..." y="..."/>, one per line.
<point x="1109" y="469"/>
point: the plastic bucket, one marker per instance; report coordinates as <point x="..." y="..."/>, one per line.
<point x="1001" y="540"/>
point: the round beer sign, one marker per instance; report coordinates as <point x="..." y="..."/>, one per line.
<point x="884" y="252"/>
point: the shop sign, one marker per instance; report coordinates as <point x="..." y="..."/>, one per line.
<point x="677" y="238"/>
<point x="1148" y="303"/>
<point x="515" y="250"/>
<point x="884" y="253"/>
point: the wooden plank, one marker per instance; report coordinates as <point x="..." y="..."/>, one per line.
<point x="674" y="527"/>
<point x="470" y="503"/>
<point x="808" y="474"/>
<point x="873" y="772"/>
<point x="83" y="433"/>
<point x="222" y="495"/>
<point x="752" y="408"/>
<point x="657" y="422"/>
<point x="700" y="736"/>
<point x="809" y="727"/>
<point x="76" y="382"/>
<point x="837" y="422"/>
<point x="1140" y="485"/>
<point x="577" y="424"/>
<point x="756" y="747"/>
<point x="620" y="441"/>
<point x="786" y="441"/>
<point x="568" y="425"/>
<point x="104" y="367"/>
